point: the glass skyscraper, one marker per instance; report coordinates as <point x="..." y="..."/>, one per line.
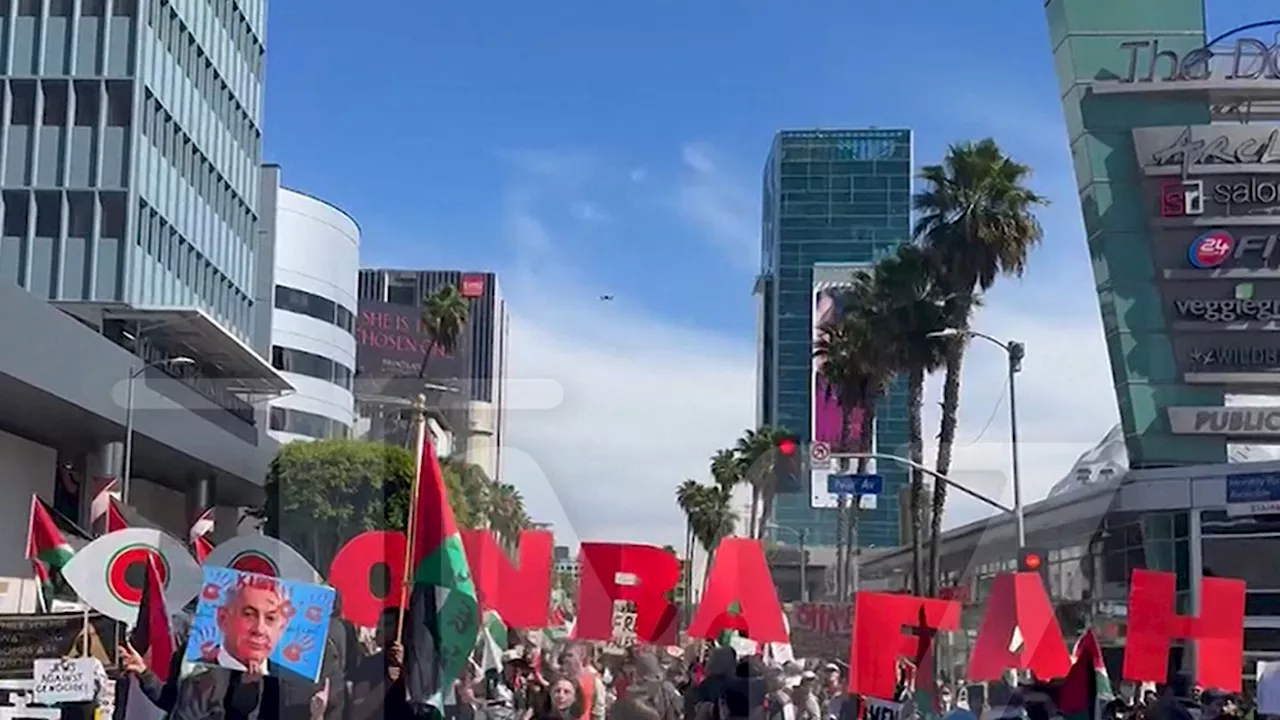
<point x="830" y="196"/>
<point x="130" y="141"/>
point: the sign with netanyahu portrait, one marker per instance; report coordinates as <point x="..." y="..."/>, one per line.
<point x="246" y="621"/>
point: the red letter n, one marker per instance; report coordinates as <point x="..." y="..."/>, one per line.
<point x="520" y="595"/>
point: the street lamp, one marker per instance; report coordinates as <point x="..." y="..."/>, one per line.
<point x="804" y="561"/>
<point x="127" y="469"/>
<point x="1015" y="351"/>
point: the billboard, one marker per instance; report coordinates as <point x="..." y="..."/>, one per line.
<point x="1212" y="202"/>
<point x="831" y="282"/>
<point x="830" y="298"/>
<point x="391" y="347"/>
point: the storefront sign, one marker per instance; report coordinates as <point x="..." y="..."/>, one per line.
<point x="1228" y="421"/>
<point x="1221" y="254"/>
<point x="1244" y="360"/>
<point x="1247" y="59"/>
<point x="1249" y="195"/>
<point x="1227" y="311"/>
<point x="1253" y="494"/>
<point x="1198" y="149"/>
<point x="1235" y="358"/>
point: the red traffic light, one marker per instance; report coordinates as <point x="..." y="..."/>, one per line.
<point x="787" y="446"/>
<point x="1031" y="561"/>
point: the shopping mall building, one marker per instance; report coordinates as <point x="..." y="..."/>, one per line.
<point x="1174" y="137"/>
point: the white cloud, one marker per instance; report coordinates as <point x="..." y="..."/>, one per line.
<point x="720" y="205"/>
<point x="638" y="175"/>
<point x="588" y="212"/>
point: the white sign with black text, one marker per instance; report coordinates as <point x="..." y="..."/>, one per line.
<point x="1240" y="421"/>
<point x="883" y="710"/>
<point x="64" y="680"/>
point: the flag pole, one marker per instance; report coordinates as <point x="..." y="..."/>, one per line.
<point x="420" y="441"/>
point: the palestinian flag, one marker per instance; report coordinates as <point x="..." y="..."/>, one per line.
<point x="443" y="618"/>
<point x="1086" y="689"/>
<point x="493" y="641"/>
<point x="115" y="519"/>
<point x="152" y="636"/>
<point x="48" y="546"/>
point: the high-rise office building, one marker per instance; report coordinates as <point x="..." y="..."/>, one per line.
<point x="312" y="306"/>
<point x="129" y="155"/>
<point x="834" y="200"/>
<point x="479" y="368"/>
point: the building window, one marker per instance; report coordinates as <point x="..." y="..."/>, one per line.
<point x="312" y="305"/>
<point x="300" y="422"/>
<point x="310" y="364"/>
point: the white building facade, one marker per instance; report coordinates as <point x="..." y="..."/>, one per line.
<point x="313" y="307"/>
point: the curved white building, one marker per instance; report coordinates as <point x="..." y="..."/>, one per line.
<point x="317" y="260"/>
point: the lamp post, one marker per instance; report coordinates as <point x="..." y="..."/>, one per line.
<point x="802" y="535"/>
<point x="127" y="469"/>
<point x="1015" y="352"/>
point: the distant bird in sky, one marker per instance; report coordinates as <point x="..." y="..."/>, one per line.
<point x="606" y="298"/>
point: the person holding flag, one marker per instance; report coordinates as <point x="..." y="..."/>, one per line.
<point x="443" y="619"/>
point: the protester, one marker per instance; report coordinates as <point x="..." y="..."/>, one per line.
<point x="564" y="701"/>
<point x="377" y="683"/>
<point x="708" y="700"/>
<point x="805" y="699"/>
<point x="161" y="694"/>
<point x="574" y="665"/>
<point x="650" y="687"/>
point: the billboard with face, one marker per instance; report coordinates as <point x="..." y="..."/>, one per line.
<point x="1212" y="203"/>
<point x="830" y="303"/>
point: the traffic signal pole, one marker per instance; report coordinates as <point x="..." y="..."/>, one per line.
<point x="1016" y="511"/>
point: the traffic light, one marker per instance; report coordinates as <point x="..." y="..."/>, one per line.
<point x="1035" y="560"/>
<point x="787" y="465"/>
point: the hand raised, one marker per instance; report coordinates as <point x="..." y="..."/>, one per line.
<point x="320" y="701"/>
<point x="131" y="661"/>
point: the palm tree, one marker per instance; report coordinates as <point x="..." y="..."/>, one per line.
<point x="709" y="514"/>
<point x="911" y="305"/>
<point x="857" y="372"/>
<point x="977" y="215"/>
<point x="444" y="315"/>
<point x="686" y="497"/>
<point x="508" y="516"/>
<point x="756" y="451"/>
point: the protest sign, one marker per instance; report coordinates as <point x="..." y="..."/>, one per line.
<point x="883" y="710"/>
<point x="64" y="680"/>
<point x="27" y="638"/>
<point x="624" y="628"/>
<point x="248" y="620"/>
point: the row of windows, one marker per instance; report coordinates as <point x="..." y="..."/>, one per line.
<point x="181" y="44"/>
<point x="192" y="269"/>
<point x="247" y="44"/>
<point x="69" y="47"/>
<point x="194" y="168"/>
<point x="312" y="365"/>
<point x="803" y="183"/>
<point x="852" y="198"/>
<point x="850" y="227"/>
<point x="880" y="211"/>
<point x="300" y="422"/>
<point x="63" y="262"/>
<point x="67" y="149"/>
<point x="62" y="8"/>
<point x="901" y="168"/>
<point x="312" y="305"/>
<point x="861" y="149"/>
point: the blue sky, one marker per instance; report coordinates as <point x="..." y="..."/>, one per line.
<point x="587" y="147"/>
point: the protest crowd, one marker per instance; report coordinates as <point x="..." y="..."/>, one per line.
<point x="248" y="630"/>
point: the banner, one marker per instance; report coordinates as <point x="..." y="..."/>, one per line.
<point x="250" y="620"/>
<point x="28" y="638"/>
<point x="820" y="629"/>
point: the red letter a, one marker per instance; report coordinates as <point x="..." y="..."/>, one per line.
<point x="1218" y="632"/>
<point x="740" y="577"/>
<point x="642" y="574"/>
<point x="520" y="595"/>
<point x="1018" y="602"/>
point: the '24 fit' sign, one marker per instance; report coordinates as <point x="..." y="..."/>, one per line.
<point x="1191" y="253"/>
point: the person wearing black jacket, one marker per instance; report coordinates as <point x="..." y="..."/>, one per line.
<point x="161" y="694"/>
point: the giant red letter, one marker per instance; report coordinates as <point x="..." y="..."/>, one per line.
<point x="521" y="596"/>
<point x="878" y="642"/>
<point x="1018" y="601"/>
<point x="368" y="573"/>
<point x="740" y="577"/>
<point x="654" y="571"/>
<point x="1153" y="623"/>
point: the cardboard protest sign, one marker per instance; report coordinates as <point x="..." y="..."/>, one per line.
<point x="245" y="620"/>
<point x="28" y="638"/>
<point x="65" y="680"/>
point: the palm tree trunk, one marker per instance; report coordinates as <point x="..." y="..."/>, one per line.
<point x="866" y="444"/>
<point x="842" y="510"/>
<point x="688" y="558"/>
<point x="426" y="356"/>
<point x="766" y="510"/>
<point x="946" y="442"/>
<point x="915" y="439"/>
<point x="752" y="531"/>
